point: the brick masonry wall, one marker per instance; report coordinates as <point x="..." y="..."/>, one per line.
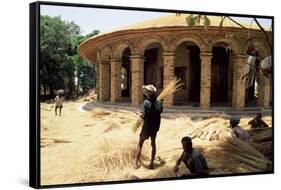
<point x="238" y="97"/>
<point x="169" y="73"/>
<point x="205" y="84"/>
<point x="264" y="92"/>
<point x="115" y="80"/>
<point x="104" y="82"/>
<point x="137" y="79"/>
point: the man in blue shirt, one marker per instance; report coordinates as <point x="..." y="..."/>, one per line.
<point x="150" y="111"/>
<point x="192" y="158"/>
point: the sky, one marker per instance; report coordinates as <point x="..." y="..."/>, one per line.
<point x="106" y="20"/>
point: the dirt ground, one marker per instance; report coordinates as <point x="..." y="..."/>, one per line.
<point x="80" y="147"/>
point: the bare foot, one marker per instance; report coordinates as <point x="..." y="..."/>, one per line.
<point x="151" y="167"/>
<point x="137" y="166"/>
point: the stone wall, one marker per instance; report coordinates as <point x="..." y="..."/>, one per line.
<point x="175" y="55"/>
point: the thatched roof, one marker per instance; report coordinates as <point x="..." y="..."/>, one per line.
<point x="173" y="20"/>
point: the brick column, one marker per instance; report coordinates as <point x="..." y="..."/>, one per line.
<point x="115" y="87"/>
<point x="104" y="82"/>
<point x="205" y="83"/>
<point x="264" y="92"/>
<point x="137" y="79"/>
<point x="238" y="96"/>
<point x="169" y="74"/>
<point x="97" y="80"/>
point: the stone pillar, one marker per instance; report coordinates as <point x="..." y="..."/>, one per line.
<point x="169" y="74"/>
<point x="238" y="96"/>
<point x="97" y="80"/>
<point x="137" y="79"/>
<point x="115" y="87"/>
<point x="205" y="83"/>
<point x="104" y="81"/>
<point x="264" y="91"/>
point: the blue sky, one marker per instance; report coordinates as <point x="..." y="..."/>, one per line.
<point x="105" y="20"/>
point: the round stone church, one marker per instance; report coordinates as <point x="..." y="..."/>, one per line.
<point x="208" y="61"/>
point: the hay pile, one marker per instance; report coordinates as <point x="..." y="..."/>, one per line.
<point x="232" y="155"/>
<point x="211" y="129"/>
<point x="90" y="96"/>
<point x="225" y="154"/>
<point x="262" y="140"/>
<point x="115" y="145"/>
<point x="99" y="113"/>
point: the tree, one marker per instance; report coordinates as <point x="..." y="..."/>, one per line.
<point x="85" y="72"/>
<point x="58" y="55"/>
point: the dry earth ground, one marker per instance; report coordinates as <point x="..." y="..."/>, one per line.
<point x="81" y="147"/>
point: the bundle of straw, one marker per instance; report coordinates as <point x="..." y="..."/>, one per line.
<point x="212" y="129"/>
<point x="236" y="156"/>
<point x="171" y="88"/>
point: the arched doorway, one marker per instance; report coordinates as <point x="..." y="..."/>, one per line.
<point x="188" y="69"/>
<point x="126" y="78"/>
<point x="153" y="65"/>
<point x="221" y="75"/>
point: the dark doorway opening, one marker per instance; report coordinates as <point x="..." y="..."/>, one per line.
<point x="195" y="74"/>
<point x="220" y="77"/>
<point x="151" y="67"/>
<point x="126" y="77"/>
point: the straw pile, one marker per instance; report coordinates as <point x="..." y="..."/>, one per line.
<point x="91" y="96"/>
<point x="232" y="155"/>
<point x="225" y="154"/>
<point x="116" y="146"/>
<point x="211" y="129"/>
<point x="99" y="113"/>
<point x="171" y="88"/>
<point x="262" y="140"/>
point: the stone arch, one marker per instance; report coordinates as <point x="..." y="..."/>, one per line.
<point x="106" y="53"/>
<point x="146" y="41"/>
<point x="120" y="47"/>
<point x="187" y="38"/>
<point x="258" y="44"/>
<point x="255" y="93"/>
<point x="187" y="67"/>
<point x="233" y="43"/>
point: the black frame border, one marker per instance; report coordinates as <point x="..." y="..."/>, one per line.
<point x="34" y="92"/>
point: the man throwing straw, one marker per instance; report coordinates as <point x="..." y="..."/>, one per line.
<point x="150" y="112"/>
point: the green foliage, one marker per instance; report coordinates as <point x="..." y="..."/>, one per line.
<point x="86" y="76"/>
<point x="193" y="20"/>
<point x="197" y="19"/>
<point x="206" y="22"/>
<point x="190" y="20"/>
<point x="59" y="62"/>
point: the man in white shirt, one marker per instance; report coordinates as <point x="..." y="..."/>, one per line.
<point x="59" y="101"/>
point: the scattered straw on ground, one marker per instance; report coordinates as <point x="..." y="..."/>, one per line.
<point x="100" y="145"/>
